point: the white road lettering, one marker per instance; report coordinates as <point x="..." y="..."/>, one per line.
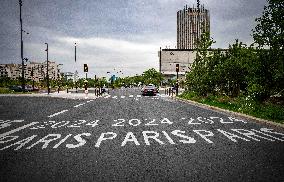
<point x="180" y="134"/>
<point x="168" y="137"/>
<point x="231" y="136"/>
<point x="62" y="141"/>
<point x="18" y="129"/>
<point x="45" y="140"/>
<point x="267" y="135"/>
<point x="130" y="137"/>
<point x="208" y="133"/>
<point x="154" y="137"/>
<point x="270" y="131"/>
<point x="6" y="139"/>
<point x="102" y="138"/>
<point x="79" y="139"/>
<point x="250" y="134"/>
<point x="21" y="143"/>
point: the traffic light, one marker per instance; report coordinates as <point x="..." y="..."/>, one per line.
<point x="85" y="68"/>
<point x="177" y="67"/>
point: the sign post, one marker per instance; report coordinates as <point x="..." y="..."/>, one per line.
<point x="86" y="81"/>
<point x="177" y="70"/>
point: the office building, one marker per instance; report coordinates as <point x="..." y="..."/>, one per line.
<point x="191" y="22"/>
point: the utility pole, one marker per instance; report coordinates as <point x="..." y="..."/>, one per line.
<point x="177" y="84"/>
<point x="22" y="57"/>
<point x="47" y="76"/>
<point x="76" y="72"/>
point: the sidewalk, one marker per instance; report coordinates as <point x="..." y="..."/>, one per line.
<point x="61" y="94"/>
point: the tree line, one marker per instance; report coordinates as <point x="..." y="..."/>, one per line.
<point x="256" y="70"/>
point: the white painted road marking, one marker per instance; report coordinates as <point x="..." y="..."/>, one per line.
<point x="122" y="97"/>
<point x="130" y="95"/>
<point x="79" y="105"/>
<point x="108" y="96"/>
<point x="55" y="114"/>
<point x="138" y="95"/>
<point x="17" y="129"/>
<point x="114" y="97"/>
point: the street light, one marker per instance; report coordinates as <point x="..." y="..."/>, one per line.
<point x="22" y="47"/>
<point x="75" y="75"/>
<point x="47" y="77"/>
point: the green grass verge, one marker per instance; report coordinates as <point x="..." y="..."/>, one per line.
<point x="267" y="110"/>
<point x="8" y="91"/>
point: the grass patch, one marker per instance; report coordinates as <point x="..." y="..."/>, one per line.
<point x="267" y="110"/>
<point x="8" y="91"/>
<point x="5" y="91"/>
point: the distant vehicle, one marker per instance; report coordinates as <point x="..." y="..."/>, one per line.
<point x="104" y="89"/>
<point x="28" y="88"/>
<point x="149" y="90"/>
<point x="16" y="88"/>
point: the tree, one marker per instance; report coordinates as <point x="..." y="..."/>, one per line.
<point x="269" y="37"/>
<point x="152" y="76"/>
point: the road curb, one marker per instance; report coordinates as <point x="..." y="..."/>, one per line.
<point x="230" y="112"/>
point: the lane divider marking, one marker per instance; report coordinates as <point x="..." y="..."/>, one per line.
<point x="79" y="105"/>
<point x="55" y="114"/>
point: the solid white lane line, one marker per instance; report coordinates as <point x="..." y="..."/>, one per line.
<point x="79" y="105"/>
<point x="55" y="114"/>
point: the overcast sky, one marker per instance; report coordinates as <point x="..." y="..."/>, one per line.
<point x="112" y="35"/>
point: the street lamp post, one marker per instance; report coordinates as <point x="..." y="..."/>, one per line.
<point x="47" y="76"/>
<point x="22" y="47"/>
<point x="76" y="71"/>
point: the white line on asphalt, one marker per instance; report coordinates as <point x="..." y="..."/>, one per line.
<point x="138" y="95"/>
<point x="114" y="97"/>
<point x="108" y="96"/>
<point x="122" y="97"/>
<point x="130" y="95"/>
<point x="79" y="105"/>
<point x="55" y="114"/>
<point x="17" y="129"/>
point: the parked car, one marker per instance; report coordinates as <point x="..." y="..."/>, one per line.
<point x="149" y="90"/>
<point x="16" y="88"/>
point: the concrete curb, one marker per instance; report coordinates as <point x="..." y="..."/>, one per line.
<point x="229" y="112"/>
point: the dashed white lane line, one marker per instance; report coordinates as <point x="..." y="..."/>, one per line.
<point x="138" y="95"/>
<point x="114" y="97"/>
<point x="122" y="97"/>
<point x="130" y="95"/>
<point x="108" y="96"/>
<point x="55" y="114"/>
<point x="79" y="105"/>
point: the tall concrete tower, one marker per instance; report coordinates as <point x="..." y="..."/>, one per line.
<point x="191" y="22"/>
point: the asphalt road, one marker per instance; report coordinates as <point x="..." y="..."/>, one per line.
<point x="124" y="136"/>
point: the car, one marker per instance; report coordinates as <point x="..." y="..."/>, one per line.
<point x="104" y="90"/>
<point x="149" y="90"/>
<point x="16" y="88"/>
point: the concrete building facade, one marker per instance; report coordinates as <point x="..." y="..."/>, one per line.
<point x="191" y="23"/>
<point x="168" y="59"/>
<point x="14" y="71"/>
